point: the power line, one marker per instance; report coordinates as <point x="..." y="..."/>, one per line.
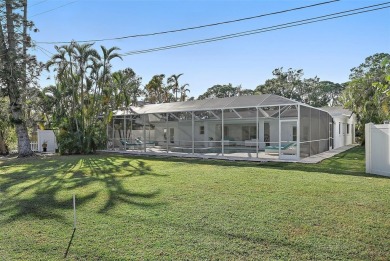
<point x="261" y="30"/>
<point x="54" y="8"/>
<point x="225" y="37"/>
<point x="43" y="51"/>
<point x="41" y="2"/>
<point x="194" y="27"/>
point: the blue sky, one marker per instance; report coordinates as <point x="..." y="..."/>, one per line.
<point x="327" y="49"/>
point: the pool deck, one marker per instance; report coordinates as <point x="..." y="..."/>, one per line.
<point x="262" y="157"/>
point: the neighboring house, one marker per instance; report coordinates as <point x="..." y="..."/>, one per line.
<point x="257" y="126"/>
<point x="344" y="123"/>
<point x="46" y="138"/>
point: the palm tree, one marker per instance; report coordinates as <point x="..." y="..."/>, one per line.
<point x="183" y="91"/>
<point x="155" y="89"/>
<point x="173" y="82"/>
<point x="126" y="87"/>
<point x="84" y="56"/>
<point x="166" y="96"/>
<point x="84" y="81"/>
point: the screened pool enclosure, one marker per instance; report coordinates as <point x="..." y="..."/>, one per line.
<point x="258" y="126"/>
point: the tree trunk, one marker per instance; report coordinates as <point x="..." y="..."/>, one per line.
<point x="24" y="147"/>
<point x="14" y="76"/>
<point x="3" y="146"/>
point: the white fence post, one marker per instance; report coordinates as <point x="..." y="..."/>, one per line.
<point x="378" y="149"/>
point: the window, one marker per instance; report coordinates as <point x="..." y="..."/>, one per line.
<point x="226" y="130"/>
<point x="339" y="128"/>
<point x="248" y="132"/>
<point x="294" y="134"/>
<point x="172" y="135"/>
<point x="347" y="128"/>
<point x="266" y="133"/>
<point x="201" y="130"/>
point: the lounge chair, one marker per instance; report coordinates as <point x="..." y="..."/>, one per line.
<point x="148" y="143"/>
<point x="289" y="148"/>
<point x="129" y="144"/>
<point x="228" y="141"/>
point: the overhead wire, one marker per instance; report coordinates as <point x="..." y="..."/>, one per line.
<point x="192" y="28"/>
<point x="38" y="46"/>
<point x="58" y="7"/>
<point x="43" y="51"/>
<point x="41" y="2"/>
<point x="262" y="30"/>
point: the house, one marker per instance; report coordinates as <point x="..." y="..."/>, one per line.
<point x="257" y="126"/>
<point x="344" y="123"/>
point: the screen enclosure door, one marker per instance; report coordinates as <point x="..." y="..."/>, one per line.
<point x="288" y="130"/>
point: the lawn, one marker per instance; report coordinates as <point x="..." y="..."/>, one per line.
<point x="190" y="209"/>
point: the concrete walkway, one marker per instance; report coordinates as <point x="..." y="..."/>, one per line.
<point x="238" y="156"/>
<point x="325" y="155"/>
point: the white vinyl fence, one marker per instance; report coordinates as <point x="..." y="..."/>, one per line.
<point x="34" y="146"/>
<point x="378" y="149"/>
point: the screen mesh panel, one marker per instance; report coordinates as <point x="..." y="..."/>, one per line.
<point x="171" y="128"/>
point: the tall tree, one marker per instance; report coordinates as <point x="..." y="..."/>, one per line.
<point x="81" y="96"/>
<point x="287" y="84"/>
<point x="291" y="84"/>
<point x="173" y="83"/>
<point x="221" y="91"/>
<point x="17" y="68"/>
<point x="126" y="88"/>
<point x="331" y="92"/>
<point x="367" y="93"/>
<point x="183" y="92"/>
<point x="155" y="90"/>
<point x="4" y="126"/>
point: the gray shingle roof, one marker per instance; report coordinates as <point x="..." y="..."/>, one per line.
<point x="337" y="111"/>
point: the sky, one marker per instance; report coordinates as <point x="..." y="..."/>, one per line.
<point x="327" y="49"/>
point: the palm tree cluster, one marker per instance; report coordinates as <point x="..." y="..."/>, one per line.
<point x="158" y="92"/>
<point x="86" y="93"/>
<point x="82" y="101"/>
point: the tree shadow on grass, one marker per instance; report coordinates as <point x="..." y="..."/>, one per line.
<point x="351" y="162"/>
<point x="38" y="187"/>
<point x="117" y="193"/>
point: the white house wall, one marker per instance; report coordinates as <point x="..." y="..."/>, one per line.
<point x="131" y="135"/>
<point x="213" y="132"/>
<point x="341" y="137"/>
<point x="287" y="131"/>
<point x="48" y="137"/>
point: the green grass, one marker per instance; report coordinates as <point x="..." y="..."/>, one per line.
<point x="163" y="208"/>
